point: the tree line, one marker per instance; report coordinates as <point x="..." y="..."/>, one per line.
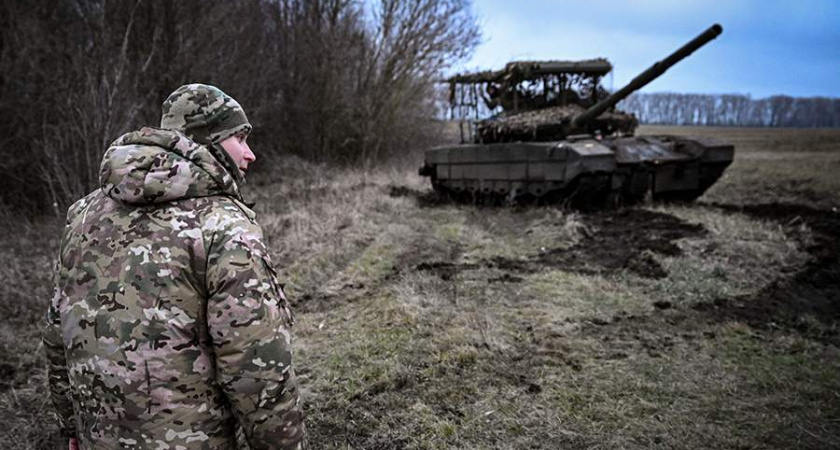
<point x="339" y="81"/>
<point x="733" y="110"/>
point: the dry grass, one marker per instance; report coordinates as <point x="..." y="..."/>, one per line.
<point x="29" y="250"/>
<point x="440" y="326"/>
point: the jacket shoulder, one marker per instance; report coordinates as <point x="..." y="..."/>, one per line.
<point x="223" y="210"/>
<point x="228" y="219"/>
<point x="77" y="209"/>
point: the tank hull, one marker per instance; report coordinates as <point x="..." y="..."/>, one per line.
<point x="587" y="172"/>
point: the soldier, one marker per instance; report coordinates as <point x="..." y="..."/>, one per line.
<point x="510" y="97"/>
<point x="168" y="328"/>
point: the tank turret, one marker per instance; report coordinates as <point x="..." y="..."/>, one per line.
<point x="546" y="122"/>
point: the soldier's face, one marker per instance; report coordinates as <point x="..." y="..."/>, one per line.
<point x="237" y="148"/>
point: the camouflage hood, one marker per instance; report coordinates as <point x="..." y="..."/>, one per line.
<point x="156" y="166"/>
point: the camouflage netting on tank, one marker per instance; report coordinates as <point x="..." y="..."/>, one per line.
<point x="549" y="124"/>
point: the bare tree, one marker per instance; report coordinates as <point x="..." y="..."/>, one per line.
<point x="345" y="81"/>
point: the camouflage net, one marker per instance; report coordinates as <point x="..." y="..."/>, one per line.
<point x="548" y="124"/>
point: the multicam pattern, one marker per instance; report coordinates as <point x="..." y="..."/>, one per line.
<point x="136" y="171"/>
<point x="204" y="113"/>
<point x="168" y="328"/>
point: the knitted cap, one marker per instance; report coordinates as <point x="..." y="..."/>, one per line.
<point x="204" y="113"/>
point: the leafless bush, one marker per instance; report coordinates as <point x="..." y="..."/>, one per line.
<point x="338" y="81"/>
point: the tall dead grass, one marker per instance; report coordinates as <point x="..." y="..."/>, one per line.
<point x="320" y="217"/>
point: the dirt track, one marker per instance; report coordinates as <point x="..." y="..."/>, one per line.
<point x="808" y="300"/>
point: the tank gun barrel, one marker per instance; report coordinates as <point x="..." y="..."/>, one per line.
<point x="652" y="73"/>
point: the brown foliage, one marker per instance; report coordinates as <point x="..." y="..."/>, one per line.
<point x="341" y="81"/>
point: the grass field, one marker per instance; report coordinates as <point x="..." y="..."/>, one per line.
<point x="711" y="325"/>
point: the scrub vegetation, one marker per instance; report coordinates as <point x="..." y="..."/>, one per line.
<point x="349" y="82"/>
<point x="423" y="324"/>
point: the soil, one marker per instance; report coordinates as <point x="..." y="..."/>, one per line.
<point x="506" y="278"/>
<point x="806" y="302"/>
<point x="423" y="198"/>
<point x="624" y="240"/>
<point x="627" y="239"/>
<point x="445" y="270"/>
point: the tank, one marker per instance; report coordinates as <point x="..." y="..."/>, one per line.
<point x="553" y="134"/>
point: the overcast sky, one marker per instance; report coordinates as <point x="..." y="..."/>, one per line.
<point x="767" y="47"/>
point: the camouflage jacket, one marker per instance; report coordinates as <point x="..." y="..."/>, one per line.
<point x="168" y="328"/>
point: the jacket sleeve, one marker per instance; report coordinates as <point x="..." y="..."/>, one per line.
<point x="249" y="321"/>
<point x="57" y="363"/>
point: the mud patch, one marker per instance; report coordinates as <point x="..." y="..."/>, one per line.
<point x="506" y="278"/>
<point x="625" y="240"/>
<point x="445" y="270"/>
<point x="15" y="369"/>
<point x="807" y="301"/>
<point x="628" y="240"/>
<point x="654" y="334"/>
<point x="7" y="376"/>
<point x="401" y="191"/>
<point x="513" y="265"/>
